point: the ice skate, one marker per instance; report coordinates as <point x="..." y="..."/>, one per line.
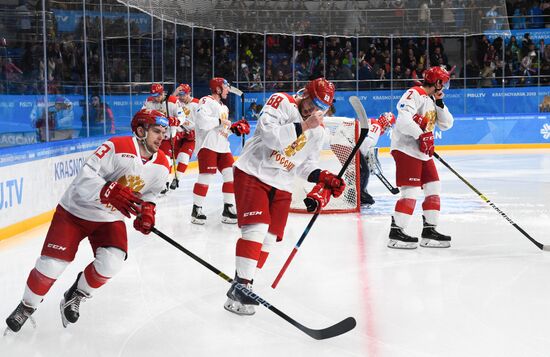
<point x="18" y="318"/>
<point x="399" y="239"/>
<point x="163" y="192"/>
<point x="432" y="238"/>
<point x="240" y="298"/>
<point x="70" y="303"/>
<point x="366" y="199"/>
<point x="197" y="217"/>
<point x="175" y="184"/>
<point x="229" y="215"/>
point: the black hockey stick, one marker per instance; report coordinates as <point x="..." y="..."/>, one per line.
<point x="364" y="123"/>
<point x="484" y="198"/>
<point x="332" y="331"/>
<point x="389" y="186"/>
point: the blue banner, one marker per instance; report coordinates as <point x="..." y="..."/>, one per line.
<point x="474" y="101"/>
<point x="69" y="20"/>
<point x="535" y="34"/>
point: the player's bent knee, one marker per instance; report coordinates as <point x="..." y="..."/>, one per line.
<point x="254" y="232"/>
<point x="411" y="192"/>
<point x="227" y="174"/>
<point x="108" y="261"/>
<point x="432" y="188"/>
<point x="50" y="267"/>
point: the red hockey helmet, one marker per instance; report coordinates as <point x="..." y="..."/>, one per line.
<point x="436" y="73"/>
<point x="147" y="117"/>
<point x="217" y="82"/>
<point x="184" y="88"/>
<point x="321" y="92"/>
<point x="156" y="89"/>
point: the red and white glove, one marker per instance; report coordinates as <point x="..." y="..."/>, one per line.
<point x="145" y="221"/>
<point x="317" y="198"/>
<point x="421" y="120"/>
<point x="426" y="143"/>
<point x="173" y="121"/>
<point x="121" y="198"/>
<point x="332" y="183"/>
<point x="386" y="120"/>
<point x="240" y="127"/>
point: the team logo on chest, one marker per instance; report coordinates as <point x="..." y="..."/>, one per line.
<point x="296" y="146"/>
<point x="431" y="117"/>
<point x="135" y="183"/>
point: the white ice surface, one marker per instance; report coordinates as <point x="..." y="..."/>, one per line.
<point x="487" y="295"/>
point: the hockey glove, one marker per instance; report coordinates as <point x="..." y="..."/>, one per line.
<point x="240" y="127"/>
<point x="173" y="121"/>
<point x="145" y="221"/>
<point x="386" y="120"/>
<point x="426" y="143"/>
<point x="331" y="182"/>
<point x="120" y="197"/>
<point x="317" y="198"/>
<point x="421" y="120"/>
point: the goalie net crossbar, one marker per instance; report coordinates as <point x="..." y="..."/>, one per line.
<point x="342" y="135"/>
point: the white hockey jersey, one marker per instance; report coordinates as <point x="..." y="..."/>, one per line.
<point x="117" y="159"/>
<point x="406" y="131"/>
<point x="209" y="132"/>
<point x="275" y="154"/>
<point x="186" y="113"/>
<point x="372" y="137"/>
<point x="151" y="103"/>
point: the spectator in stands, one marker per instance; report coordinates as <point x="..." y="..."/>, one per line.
<point x="59" y="117"/>
<point x="536" y="20"/>
<point x="519" y="20"/>
<point x="100" y="118"/>
<point x="494" y="22"/>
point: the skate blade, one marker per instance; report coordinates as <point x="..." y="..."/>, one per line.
<point x="397" y="244"/>
<point x="198" y="221"/>
<point x="64" y="320"/>
<point x="431" y="243"/>
<point x="174" y="185"/>
<point x="228" y="220"/>
<point x="238" y="309"/>
<point x="9" y="332"/>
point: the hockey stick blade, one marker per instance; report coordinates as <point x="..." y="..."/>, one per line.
<point x="338" y="329"/>
<point x="235" y="91"/>
<point x="360" y="111"/>
<point x="490" y="203"/>
<point x="332" y="331"/>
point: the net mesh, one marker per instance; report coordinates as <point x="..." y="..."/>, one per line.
<point x="344" y="133"/>
<point x="336" y="17"/>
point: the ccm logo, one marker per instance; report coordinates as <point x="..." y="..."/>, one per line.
<point x="253" y="213"/>
<point x="56" y="247"/>
<point x="414" y="179"/>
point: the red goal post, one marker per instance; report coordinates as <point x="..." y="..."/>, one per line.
<point x="343" y="133"/>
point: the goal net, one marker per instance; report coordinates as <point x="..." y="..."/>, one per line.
<point x="344" y="133"/>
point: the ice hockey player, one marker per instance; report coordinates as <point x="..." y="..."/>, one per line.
<point x="179" y="141"/>
<point x="122" y="178"/>
<point x="368" y="157"/>
<point x="155" y="101"/>
<point x="420" y="109"/>
<point x="212" y="128"/>
<point x="287" y="142"/>
<point x="184" y="142"/>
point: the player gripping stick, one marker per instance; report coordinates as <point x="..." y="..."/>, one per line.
<point x="123" y="177"/>
<point x="287" y="142"/>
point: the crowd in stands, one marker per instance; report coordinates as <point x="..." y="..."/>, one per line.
<point x="376" y="62"/>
